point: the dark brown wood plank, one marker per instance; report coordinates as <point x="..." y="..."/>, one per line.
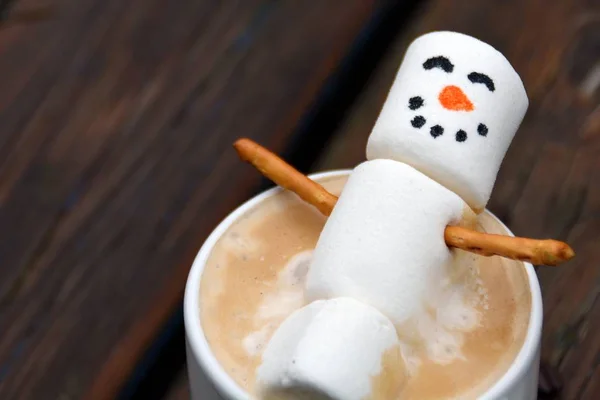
<point x="180" y="389"/>
<point x="549" y="184"/>
<point x="116" y="121"/>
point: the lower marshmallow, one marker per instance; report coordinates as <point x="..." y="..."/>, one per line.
<point x="384" y="242"/>
<point x="336" y="349"/>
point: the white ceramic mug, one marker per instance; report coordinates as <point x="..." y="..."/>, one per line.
<point x="208" y="379"/>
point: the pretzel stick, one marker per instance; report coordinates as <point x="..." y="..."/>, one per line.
<point x="286" y="176"/>
<point x="539" y="252"/>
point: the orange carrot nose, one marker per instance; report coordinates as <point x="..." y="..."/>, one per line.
<point x="453" y="98"/>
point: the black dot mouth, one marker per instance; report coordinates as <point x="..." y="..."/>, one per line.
<point x="482" y="129"/>
<point x="461" y="136"/>
<point x="416" y="102"/>
<point x="436" y="131"/>
<point x="418" y="121"/>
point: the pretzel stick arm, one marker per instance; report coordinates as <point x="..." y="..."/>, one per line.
<point x="539" y="252"/>
<point x="284" y="175"/>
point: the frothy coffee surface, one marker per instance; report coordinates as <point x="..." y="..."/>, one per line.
<point x="254" y="279"/>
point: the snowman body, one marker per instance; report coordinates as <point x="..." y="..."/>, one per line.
<point x="384" y="243"/>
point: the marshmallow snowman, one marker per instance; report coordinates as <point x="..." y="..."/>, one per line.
<point x="433" y="157"/>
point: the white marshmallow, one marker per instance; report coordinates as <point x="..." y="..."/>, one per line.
<point x="384" y="241"/>
<point x="467" y="167"/>
<point x="328" y="349"/>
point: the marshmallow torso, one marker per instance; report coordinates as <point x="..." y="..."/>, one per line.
<point x="384" y="241"/>
<point x="451" y="113"/>
<point x="330" y="349"/>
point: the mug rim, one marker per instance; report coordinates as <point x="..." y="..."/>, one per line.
<point x="227" y="386"/>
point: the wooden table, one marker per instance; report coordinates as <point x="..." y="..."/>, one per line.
<point x="116" y="120"/>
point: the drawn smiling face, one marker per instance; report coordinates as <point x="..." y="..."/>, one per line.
<point x="451" y="113"/>
<point x="451" y="98"/>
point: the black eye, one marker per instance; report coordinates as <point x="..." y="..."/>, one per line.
<point x="439" y="62"/>
<point x="477" y="77"/>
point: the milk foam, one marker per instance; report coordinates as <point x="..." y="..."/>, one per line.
<point x="287" y="297"/>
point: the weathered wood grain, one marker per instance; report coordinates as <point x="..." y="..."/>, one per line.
<point x="116" y="124"/>
<point x="180" y="389"/>
<point x="549" y="184"/>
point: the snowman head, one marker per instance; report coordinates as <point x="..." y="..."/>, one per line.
<point x="451" y="113"/>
